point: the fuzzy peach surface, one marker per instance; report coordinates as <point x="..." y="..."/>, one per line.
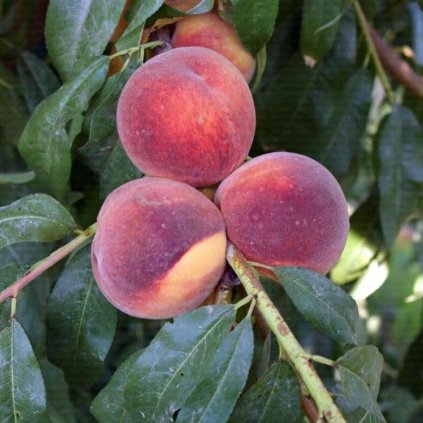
<point x="188" y="115"/>
<point x="211" y="31"/>
<point x="285" y="209"/>
<point x="159" y="249"/>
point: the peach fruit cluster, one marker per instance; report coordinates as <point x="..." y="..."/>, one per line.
<point x="186" y="119"/>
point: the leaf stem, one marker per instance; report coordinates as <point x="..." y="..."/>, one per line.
<point x="40" y="267"/>
<point x="328" y="410"/>
<point x="372" y="50"/>
<point x="130" y="51"/>
<point x="322" y="360"/>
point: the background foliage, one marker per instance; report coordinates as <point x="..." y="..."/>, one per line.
<point x="70" y="357"/>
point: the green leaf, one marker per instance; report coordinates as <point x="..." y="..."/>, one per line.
<point x="103" y="136"/>
<point x="59" y="405"/>
<point x="16" y="178"/>
<point x="319" y="26"/>
<point x="81" y="323"/>
<point x="117" y="170"/>
<point x="274" y="398"/>
<point x="45" y="143"/>
<point x="109" y="405"/>
<point x="85" y="27"/>
<point x="214" y="398"/>
<point x="37" y="217"/>
<point x="36" y="78"/>
<point x="254" y="20"/>
<point x="338" y="141"/>
<point x="22" y="393"/>
<point x="132" y="33"/>
<point x="401" y="162"/>
<point x="360" y="370"/>
<point x="420" y="2"/>
<point x="325" y="305"/>
<point x="175" y="362"/>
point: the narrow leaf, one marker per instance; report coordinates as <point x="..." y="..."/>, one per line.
<point x="22" y="393"/>
<point x="45" y="143"/>
<point x="36" y="217"/>
<point x="175" y="362"/>
<point x="319" y="26"/>
<point x="360" y="370"/>
<point x="16" y="178"/>
<point x="214" y="398"/>
<point x="254" y="21"/>
<point x="274" y="398"/>
<point x="80" y="321"/>
<point x="38" y="81"/>
<point x="325" y="305"/>
<point x="85" y="27"/>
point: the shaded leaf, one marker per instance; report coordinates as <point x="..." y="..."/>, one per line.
<point x="109" y="404"/>
<point x="274" y="398"/>
<point x="80" y="321"/>
<point x="22" y="393"/>
<point x="254" y="20"/>
<point x="175" y="362"/>
<point x="214" y="398"/>
<point x="45" y="143"/>
<point x="36" y="78"/>
<point x="325" y="305"/>
<point x="37" y="217"/>
<point x="16" y="178"/>
<point x="319" y="26"/>
<point x="360" y="370"/>
<point x="85" y="27"/>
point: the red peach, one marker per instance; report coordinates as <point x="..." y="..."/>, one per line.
<point x="285" y="209"/>
<point x="211" y="31"/>
<point x="188" y="115"/>
<point x="159" y="249"/>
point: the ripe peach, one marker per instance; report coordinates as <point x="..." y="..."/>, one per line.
<point x="211" y="31"/>
<point x="188" y="115"/>
<point x="285" y="209"/>
<point x="159" y="249"/>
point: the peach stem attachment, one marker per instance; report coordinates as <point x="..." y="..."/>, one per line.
<point x="300" y="360"/>
<point x="40" y="267"/>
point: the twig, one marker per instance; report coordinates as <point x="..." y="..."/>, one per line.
<point x="327" y="408"/>
<point x="40" y="267"/>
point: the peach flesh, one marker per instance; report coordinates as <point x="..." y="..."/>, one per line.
<point x="211" y="31"/>
<point x="285" y="209"/>
<point x="159" y="249"/>
<point x="188" y="115"/>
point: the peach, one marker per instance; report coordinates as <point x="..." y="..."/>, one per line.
<point x="285" y="209"/>
<point x="211" y="31"/>
<point x="188" y="115"/>
<point x="159" y="249"/>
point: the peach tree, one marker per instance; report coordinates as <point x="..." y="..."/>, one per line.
<point x="289" y="292"/>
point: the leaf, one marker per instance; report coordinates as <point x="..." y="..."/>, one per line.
<point x="103" y="136"/>
<point x="214" y="398"/>
<point x="420" y="2"/>
<point x="109" y="405"/>
<point x="254" y="20"/>
<point x="274" y="398"/>
<point x="80" y="322"/>
<point x="37" y="217"/>
<point x="45" y="143"/>
<point x="36" y="78"/>
<point x="400" y="159"/>
<point x="175" y="362"/>
<point x="360" y="370"/>
<point x="16" y="178"/>
<point x="117" y="170"/>
<point x="338" y="142"/>
<point x="319" y="26"/>
<point x="132" y="34"/>
<point x="22" y="393"/>
<point x="59" y="405"/>
<point x="85" y="27"/>
<point x="325" y="305"/>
